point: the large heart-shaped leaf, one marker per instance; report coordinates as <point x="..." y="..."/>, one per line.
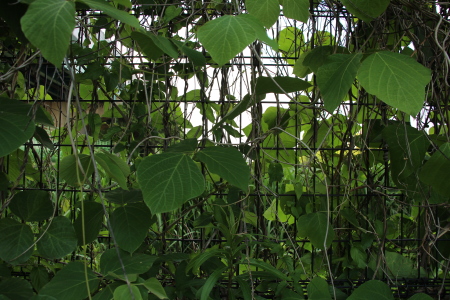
<point x="335" y="78"/>
<point x="396" y="79"/>
<point x="70" y="282"/>
<point x="59" y="240"/>
<point x="267" y="11"/>
<point x="71" y="172"/>
<point x="296" y="9"/>
<point x="16" y="289"/>
<point x="372" y="290"/>
<point x="366" y="10"/>
<point x="235" y="32"/>
<point x="15" y="241"/>
<point x="48" y="25"/>
<point x="318" y="289"/>
<point x="137" y="263"/>
<point x="130" y="225"/>
<point x="168" y="180"/>
<point x="228" y="163"/>
<point x="317" y="227"/>
<point x="32" y="206"/>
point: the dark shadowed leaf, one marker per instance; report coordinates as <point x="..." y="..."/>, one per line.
<point x="130" y="224"/>
<point x="92" y="214"/>
<point x="317" y="228"/>
<point x="71" y="172"/>
<point x="39" y="277"/>
<point x="59" y="240"/>
<point x="266" y="85"/>
<point x="137" y="264"/>
<point x="436" y="169"/>
<point x="15" y="239"/>
<point x="125" y="292"/>
<point x="372" y="290"/>
<point x="366" y="10"/>
<point x="120" y="196"/>
<point x="318" y="289"/>
<point x="115" y="167"/>
<point x="32" y="206"/>
<point x="16" y="289"/>
<point x="113" y="12"/>
<point x="70" y="282"/>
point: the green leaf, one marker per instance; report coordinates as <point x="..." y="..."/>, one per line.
<point x="186" y="146"/>
<point x="314" y="226"/>
<point x="130" y="225"/>
<point x="147" y="46"/>
<point x="335" y="78"/>
<point x="71" y="172"/>
<point x="32" y="206"/>
<point x="267" y="11"/>
<point x="296" y="9"/>
<point x="407" y="149"/>
<point x="275" y="172"/>
<point x="15" y="239"/>
<point x="211" y="282"/>
<point x="366" y="10"/>
<point x="16" y="289"/>
<point x="283" y="85"/>
<point x="318" y="289"/>
<point x="420" y="296"/>
<point x="15" y="129"/>
<point x="435" y="170"/>
<point x="48" y="25"/>
<point x="59" y="240"/>
<point x="113" y="12"/>
<point x="42" y="136"/>
<point x="168" y="180"/>
<point x="269" y="268"/>
<point x="154" y="286"/>
<point x="39" y="277"/>
<point x="92" y="213"/>
<point x="399" y="266"/>
<point x="228" y="163"/>
<point x="372" y="290"/>
<point x="164" y="44"/>
<point x="137" y="263"/>
<point x="115" y="167"/>
<point x="123" y="293"/>
<point x="236" y="33"/>
<point x="36" y="113"/>
<point x="396" y="79"/>
<point x="70" y="282"/>
<point x="120" y="196"/>
<point x="196" y="57"/>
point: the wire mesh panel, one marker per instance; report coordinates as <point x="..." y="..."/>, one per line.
<point x="151" y="161"/>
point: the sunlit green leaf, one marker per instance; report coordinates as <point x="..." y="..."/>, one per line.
<point x="228" y="163"/>
<point x="335" y="78"/>
<point x="48" y="25"/>
<point x="236" y="33"/>
<point x="296" y="9"/>
<point x="396" y="79"/>
<point x="32" y="206"/>
<point x="267" y="11"/>
<point x="59" y="239"/>
<point x="317" y="228"/>
<point x="70" y="282"/>
<point x="15" y="239"/>
<point x="130" y="225"/>
<point x="168" y="180"/>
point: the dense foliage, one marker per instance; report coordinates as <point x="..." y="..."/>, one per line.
<point x="322" y="154"/>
